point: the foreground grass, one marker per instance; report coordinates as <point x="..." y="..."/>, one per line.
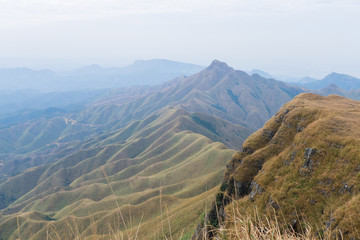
<point x="239" y="224"/>
<point x="247" y="227"/>
<point x="253" y="226"/>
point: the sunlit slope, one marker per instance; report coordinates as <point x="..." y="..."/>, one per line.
<point x="170" y="151"/>
<point x="304" y="163"/>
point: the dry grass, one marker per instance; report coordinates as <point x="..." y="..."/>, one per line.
<point x="253" y="225"/>
<point x="249" y="226"/>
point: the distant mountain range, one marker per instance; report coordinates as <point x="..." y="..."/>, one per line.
<point x="341" y="80"/>
<point x="150" y="72"/>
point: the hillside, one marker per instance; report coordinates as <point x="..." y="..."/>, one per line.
<point x="171" y="151"/>
<point x="303" y="164"/>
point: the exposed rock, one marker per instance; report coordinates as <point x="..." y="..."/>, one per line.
<point x="280" y="117"/>
<point x="238" y="189"/>
<point x="268" y="134"/>
<point x="248" y="150"/>
<point x="322" y="192"/>
<point x="292" y="158"/>
<point x="231" y="166"/>
<point x="326" y="181"/>
<point x="255" y="189"/>
<point x="300" y="128"/>
<point x="307" y="157"/>
<point x="336" y="145"/>
<point x="273" y="204"/>
<point x="345" y="188"/>
<point x="329" y="223"/>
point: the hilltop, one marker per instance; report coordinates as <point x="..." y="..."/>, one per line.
<point x="304" y="164"/>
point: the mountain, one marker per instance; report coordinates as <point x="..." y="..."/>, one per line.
<point x="144" y="72"/>
<point x="261" y="73"/>
<point x="18" y="102"/>
<point x="141" y="72"/>
<point x="306" y="80"/>
<point x="281" y="77"/>
<point x="303" y="166"/>
<point x="333" y="89"/>
<point x="218" y="90"/>
<point x="343" y="81"/>
<point x="25" y="78"/>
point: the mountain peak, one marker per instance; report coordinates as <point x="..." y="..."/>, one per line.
<point x="216" y="64"/>
<point x="333" y="74"/>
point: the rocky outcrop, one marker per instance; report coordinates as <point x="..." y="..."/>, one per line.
<point x="307" y="157"/>
<point x="255" y="190"/>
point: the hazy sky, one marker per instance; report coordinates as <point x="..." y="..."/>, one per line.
<point x="296" y="37"/>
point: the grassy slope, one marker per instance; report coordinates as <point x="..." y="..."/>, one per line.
<point x="323" y="189"/>
<point x="158" y="153"/>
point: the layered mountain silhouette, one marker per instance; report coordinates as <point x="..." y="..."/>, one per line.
<point x="343" y="81"/>
<point x="141" y="72"/>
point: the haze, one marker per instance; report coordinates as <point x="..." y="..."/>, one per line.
<point x="298" y="38"/>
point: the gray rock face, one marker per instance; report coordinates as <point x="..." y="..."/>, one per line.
<point x="307" y="157"/>
<point x="273" y="204"/>
<point x="300" y="128"/>
<point x="268" y="134"/>
<point x="255" y="189"/>
<point x="292" y="158"/>
<point x="330" y="222"/>
<point x="248" y="150"/>
<point x="346" y="188"/>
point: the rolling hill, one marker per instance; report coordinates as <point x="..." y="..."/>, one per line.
<point x="170" y="152"/>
